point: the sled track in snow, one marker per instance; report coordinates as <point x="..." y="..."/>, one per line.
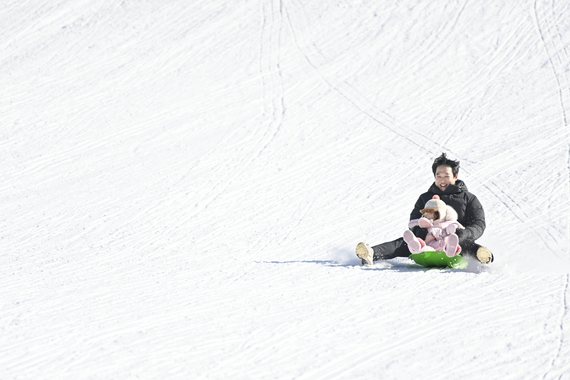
<point x="357" y="100"/>
<point x="555" y="49"/>
<point x="559" y="59"/>
<point x="270" y="121"/>
<point x="563" y="324"/>
<point x="270" y="67"/>
<point x="546" y="16"/>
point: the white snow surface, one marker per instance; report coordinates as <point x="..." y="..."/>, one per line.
<point x="184" y="184"/>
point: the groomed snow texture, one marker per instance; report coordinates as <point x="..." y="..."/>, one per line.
<point x="183" y="184"/>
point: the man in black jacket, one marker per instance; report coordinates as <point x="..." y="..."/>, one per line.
<point x="454" y="193"/>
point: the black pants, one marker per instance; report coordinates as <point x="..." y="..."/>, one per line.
<point x="399" y="248"/>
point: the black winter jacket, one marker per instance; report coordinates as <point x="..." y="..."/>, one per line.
<point x="469" y="210"/>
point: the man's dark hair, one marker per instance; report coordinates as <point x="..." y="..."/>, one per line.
<point x="443" y="160"/>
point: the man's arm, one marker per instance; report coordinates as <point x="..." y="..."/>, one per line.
<point x="474" y="222"/>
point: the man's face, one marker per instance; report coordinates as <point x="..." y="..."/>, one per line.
<point x="444" y="177"/>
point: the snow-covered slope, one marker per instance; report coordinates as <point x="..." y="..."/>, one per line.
<point x="184" y="183"/>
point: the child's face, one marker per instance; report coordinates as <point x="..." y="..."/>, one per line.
<point x="429" y="215"/>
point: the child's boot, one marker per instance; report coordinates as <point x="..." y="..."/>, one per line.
<point x="414" y="244"/>
<point x="452" y="245"/>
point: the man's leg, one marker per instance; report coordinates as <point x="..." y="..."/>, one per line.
<point x="384" y="251"/>
<point x="391" y="249"/>
<point x="472" y="249"/>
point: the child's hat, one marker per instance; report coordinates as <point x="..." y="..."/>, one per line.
<point x="436" y="204"/>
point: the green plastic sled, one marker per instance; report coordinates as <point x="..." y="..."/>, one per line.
<point x="439" y="259"/>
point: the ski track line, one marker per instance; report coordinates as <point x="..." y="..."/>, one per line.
<point x="62" y="158"/>
<point x="274" y="108"/>
<point x="264" y="277"/>
<point x="279" y="336"/>
<point x="436" y="42"/>
<point x="568" y="197"/>
<point x="564" y="314"/>
<point x="348" y="360"/>
<point x="562" y="90"/>
<point x="274" y="70"/>
<point x="303" y="351"/>
<point x="362" y="104"/>
<point x="503" y="57"/>
<point x="417" y="335"/>
<point x="289" y="226"/>
<point x="282" y="337"/>
<point x="285" y="335"/>
<point x="78" y="147"/>
<point x="522" y="153"/>
<point x="563" y="60"/>
<point x="344" y="365"/>
<point x="558" y="68"/>
<point x="525" y="155"/>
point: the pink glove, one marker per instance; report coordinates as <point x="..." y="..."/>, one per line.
<point x="424" y="223"/>
<point x="436" y="232"/>
<point x="451" y="229"/>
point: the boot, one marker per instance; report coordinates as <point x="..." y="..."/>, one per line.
<point x="484" y="255"/>
<point x="365" y="253"/>
<point x="414" y="244"/>
<point x="452" y="245"/>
